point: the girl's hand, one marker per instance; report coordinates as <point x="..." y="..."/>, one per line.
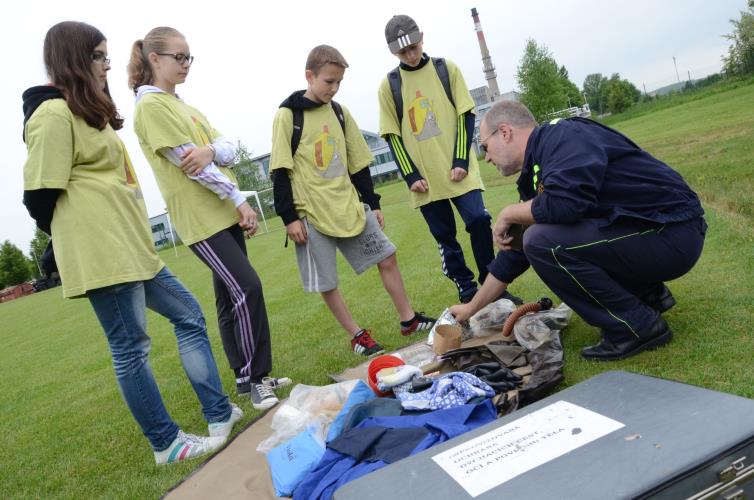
<point x="195" y="159"/>
<point x="247" y="219"/>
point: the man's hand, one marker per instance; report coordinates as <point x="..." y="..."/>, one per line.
<point x="420" y="186"/>
<point x="296" y="231"/>
<point x="195" y="159"/>
<point x="518" y="213"/>
<point x="500" y="233"/>
<point x="461" y="312"/>
<point x="380" y="218"/>
<point x="247" y="219"/>
<point x="457" y="174"/>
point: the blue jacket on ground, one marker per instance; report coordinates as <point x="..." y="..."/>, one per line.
<point x="357" y="455"/>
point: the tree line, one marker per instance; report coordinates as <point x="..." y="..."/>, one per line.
<point x="546" y="88"/>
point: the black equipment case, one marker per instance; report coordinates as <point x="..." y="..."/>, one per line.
<point x="616" y="435"/>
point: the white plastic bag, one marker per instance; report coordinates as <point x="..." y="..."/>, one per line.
<point x="490" y="319"/>
<point x="536" y="329"/>
<point x="307" y="405"/>
<point x="445" y="319"/>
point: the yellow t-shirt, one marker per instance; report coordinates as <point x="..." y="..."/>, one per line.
<point x="164" y="121"/>
<point x="319" y="171"/>
<point x="99" y="226"/>
<point x="429" y="127"/>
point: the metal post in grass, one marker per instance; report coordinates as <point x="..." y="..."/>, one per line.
<point x="172" y="234"/>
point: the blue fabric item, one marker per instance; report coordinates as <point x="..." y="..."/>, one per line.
<point x="450" y="390"/>
<point x="291" y="461"/>
<point x="371" y="444"/>
<point x="378" y="407"/>
<point x="359" y="394"/>
<point x="336" y="469"/>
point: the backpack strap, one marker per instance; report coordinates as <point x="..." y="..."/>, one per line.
<point x="298" y="124"/>
<point x="339" y="114"/>
<point x="298" y="127"/>
<point x="442" y="73"/>
<point x="394" y="79"/>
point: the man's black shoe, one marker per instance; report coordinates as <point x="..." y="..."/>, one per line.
<point x="608" y="350"/>
<point x="507" y="295"/>
<point x="660" y="299"/>
<point x="465" y="299"/>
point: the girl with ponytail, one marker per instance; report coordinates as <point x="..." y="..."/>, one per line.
<point x="81" y="188"/>
<point x="191" y="160"/>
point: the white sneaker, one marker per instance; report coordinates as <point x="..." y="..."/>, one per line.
<point x="262" y="396"/>
<point x="187" y="446"/>
<point x="276" y="383"/>
<point x="222" y="429"/>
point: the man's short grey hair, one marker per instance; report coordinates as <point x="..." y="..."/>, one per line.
<point x="511" y="112"/>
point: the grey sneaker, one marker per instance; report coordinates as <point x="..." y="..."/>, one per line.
<point x="262" y="396"/>
<point x="187" y="446"/>
<point x="276" y="383"/>
<point x="222" y="429"/>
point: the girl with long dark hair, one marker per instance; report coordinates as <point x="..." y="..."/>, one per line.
<point x="80" y="187"/>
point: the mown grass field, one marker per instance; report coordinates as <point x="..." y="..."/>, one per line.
<point x="67" y="433"/>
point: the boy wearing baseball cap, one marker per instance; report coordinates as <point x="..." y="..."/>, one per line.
<point x="427" y="118"/>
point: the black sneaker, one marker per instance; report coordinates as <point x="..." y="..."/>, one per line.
<point x="363" y="343"/>
<point x="418" y="323"/>
<point x="243" y="388"/>
<point x="262" y="396"/>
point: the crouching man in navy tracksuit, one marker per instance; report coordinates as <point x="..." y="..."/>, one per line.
<point x="608" y="224"/>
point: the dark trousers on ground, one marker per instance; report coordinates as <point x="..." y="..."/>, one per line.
<point x="241" y="312"/>
<point x="601" y="270"/>
<point x="442" y="225"/>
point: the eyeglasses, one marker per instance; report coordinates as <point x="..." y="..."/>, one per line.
<point x="483" y="144"/>
<point x="180" y="58"/>
<point x="100" y="58"/>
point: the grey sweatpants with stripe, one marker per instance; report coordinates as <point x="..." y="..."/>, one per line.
<point x="241" y="312"/>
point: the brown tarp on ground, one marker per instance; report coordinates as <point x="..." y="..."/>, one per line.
<point x="240" y="471"/>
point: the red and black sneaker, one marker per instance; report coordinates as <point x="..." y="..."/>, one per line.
<point x="418" y="323"/>
<point x="363" y="343"/>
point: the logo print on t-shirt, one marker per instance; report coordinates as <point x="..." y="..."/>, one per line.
<point x="130" y="176"/>
<point x="422" y="118"/>
<point x="326" y="156"/>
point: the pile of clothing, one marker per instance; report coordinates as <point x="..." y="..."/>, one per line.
<point x="328" y="436"/>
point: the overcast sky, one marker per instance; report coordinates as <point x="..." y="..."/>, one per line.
<point x="250" y="55"/>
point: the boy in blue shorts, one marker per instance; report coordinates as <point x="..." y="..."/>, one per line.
<point x="324" y="193"/>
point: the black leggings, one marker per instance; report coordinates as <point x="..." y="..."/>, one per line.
<point x="241" y="313"/>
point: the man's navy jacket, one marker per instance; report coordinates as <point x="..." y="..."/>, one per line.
<point x="576" y="169"/>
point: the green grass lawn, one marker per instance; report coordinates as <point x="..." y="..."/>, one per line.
<point x="67" y="433"/>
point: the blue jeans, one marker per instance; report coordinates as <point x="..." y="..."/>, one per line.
<point x="442" y="225"/>
<point x="121" y="309"/>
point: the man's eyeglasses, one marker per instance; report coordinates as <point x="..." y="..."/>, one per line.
<point x="180" y="58"/>
<point x="483" y="144"/>
<point x="100" y="58"/>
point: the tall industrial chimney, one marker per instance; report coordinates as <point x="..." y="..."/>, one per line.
<point x="489" y="68"/>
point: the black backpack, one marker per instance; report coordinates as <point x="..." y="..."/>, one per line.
<point x="298" y="124"/>
<point x="394" y="78"/>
